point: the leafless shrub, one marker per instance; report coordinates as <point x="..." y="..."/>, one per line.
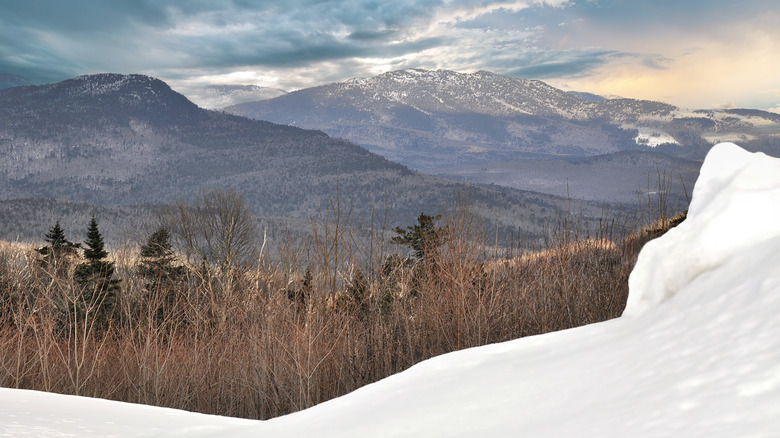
<point x="237" y="343"/>
<point x="214" y="226"/>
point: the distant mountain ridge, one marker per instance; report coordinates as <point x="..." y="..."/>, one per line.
<point x="423" y="119"/>
<point x="106" y="97"/>
<point x="627" y="177"/>
<point x="114" y="129"/>
<point x="429" y="119"/>
<point x="111" y="139"/>
<point x="443" y="91"/>
<point x="220" y="96"/>
<point x="8" y="81"/>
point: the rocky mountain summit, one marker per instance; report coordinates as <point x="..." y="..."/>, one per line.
<point x="433" y="119"/>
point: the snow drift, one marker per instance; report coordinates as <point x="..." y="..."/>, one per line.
<point x="696" y="354"/>
<point x="735" y="206"/>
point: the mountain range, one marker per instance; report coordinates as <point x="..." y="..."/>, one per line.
<point x="400" y="143"/>
<point x="428" y="119"/>
<point x="121" y="140"/>
<point x="490" y="128"/>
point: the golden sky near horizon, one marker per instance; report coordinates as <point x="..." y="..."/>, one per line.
<point x="695" y="53"/>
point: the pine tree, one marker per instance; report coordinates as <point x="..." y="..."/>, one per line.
<point x="56" y="238"/>
<point x="95" y="248"/>
<point x="95" y="275"/>
<point x="423" y="237"/>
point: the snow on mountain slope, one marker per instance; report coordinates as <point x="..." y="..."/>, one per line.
<point x="429" y="92"/>
<point x="696" y="354"/>
<point x="448" y="91"/>
<point x="425" y="119"/>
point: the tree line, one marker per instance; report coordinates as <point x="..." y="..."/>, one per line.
<point x="214" y="233"/>
<point x="199" y="319"/>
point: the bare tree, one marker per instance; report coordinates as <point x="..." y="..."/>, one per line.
<point x="215" y="226"/>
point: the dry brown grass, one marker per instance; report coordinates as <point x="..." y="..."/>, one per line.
<point x="254" y="343"/>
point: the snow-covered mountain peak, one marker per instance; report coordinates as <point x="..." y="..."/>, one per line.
<point x="426" y="118"/>
<point x="111" y="95"/>
<point x="442" y="77"/>
<point x="110" y="83"/>
<point x="452" y="92"/>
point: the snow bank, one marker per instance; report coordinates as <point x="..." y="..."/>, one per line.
<point x="34" y="414"/>
<point x="735" y="205"/>
<point x="697" y="356"/>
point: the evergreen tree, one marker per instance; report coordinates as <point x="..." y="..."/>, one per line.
<point x="57" y="243"/>
<point x="157" y="257"/>
<point x="95" y="248"/>
<point x="423" y="237"/>
<point x="357" y="293"/>
<point x="95" y="275"/>
<point x="157" y="268"/>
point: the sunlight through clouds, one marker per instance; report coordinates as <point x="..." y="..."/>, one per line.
<point x="664" y="50"/>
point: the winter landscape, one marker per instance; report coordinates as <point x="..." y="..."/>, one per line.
<point x="694" y="354"/>
<point x="509" y="218"/>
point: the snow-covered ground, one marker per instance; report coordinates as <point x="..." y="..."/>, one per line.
<point x="651" y="137"/>
<point x="696" y="354"/>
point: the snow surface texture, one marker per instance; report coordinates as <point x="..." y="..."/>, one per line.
<point x="697" y="353"/>
<point x="735" y="204"/>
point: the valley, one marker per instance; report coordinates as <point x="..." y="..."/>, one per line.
<point x="394" y="146"/>
<point x="130" y="141"/>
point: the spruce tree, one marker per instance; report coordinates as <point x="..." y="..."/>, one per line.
<point x="157" y="257"/>
<point x="95" y="248"/>
<point x="56" y="237"/>
<point x="159" y="273"/>
<point x="57" y="243"/>
<point x="95" y="275"/>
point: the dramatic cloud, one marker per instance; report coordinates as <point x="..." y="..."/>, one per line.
<point x="638" y="49"/>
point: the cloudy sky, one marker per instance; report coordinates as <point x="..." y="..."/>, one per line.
<point x="692" y="53"/>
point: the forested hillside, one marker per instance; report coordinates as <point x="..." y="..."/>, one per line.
<point x="129" y="140"/>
